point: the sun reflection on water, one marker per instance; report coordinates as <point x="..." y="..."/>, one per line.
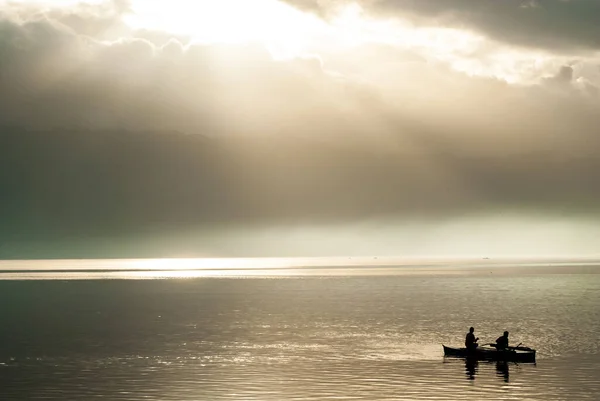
<point x="280" y="267"/>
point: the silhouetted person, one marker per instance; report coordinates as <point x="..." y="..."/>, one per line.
<point x="470" y="340"/>
<point x="502" y="341"/>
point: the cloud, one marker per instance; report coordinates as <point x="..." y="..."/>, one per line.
<point x="52" y="76"/>
<point x="550" y="24"/>
<point x="102" y="20"/>
<point x="101" y="137"/>
<point x="563" y="78"/>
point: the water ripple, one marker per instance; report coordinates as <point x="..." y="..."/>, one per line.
<point x="343" y="338"/>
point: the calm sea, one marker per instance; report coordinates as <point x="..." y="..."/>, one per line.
<point x="294" y="330"/>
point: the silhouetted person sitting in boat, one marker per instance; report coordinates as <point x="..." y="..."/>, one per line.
<point x="502" y="341"/>
<point x="470" y="340"/>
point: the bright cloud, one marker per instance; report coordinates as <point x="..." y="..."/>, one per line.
<point x="285" y="29"/>
<point x="289" y="32"/>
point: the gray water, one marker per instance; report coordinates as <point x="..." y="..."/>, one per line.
<point x="364" y="333"/>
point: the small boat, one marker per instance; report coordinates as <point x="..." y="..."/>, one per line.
<point x="511" y="354"/>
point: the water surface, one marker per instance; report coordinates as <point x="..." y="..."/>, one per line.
<point x="322" y="332"/>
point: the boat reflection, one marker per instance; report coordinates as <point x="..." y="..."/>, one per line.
<point x="472" y="369"/>
<point x="502" y="370"/>
<point x="471" y="365"/>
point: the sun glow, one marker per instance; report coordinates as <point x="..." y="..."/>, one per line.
<point x="280" y="27"/>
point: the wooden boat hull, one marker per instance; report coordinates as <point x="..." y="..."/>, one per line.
<point x="491" y="354"/>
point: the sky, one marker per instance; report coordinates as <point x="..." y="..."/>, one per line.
<point x="299" y="128"/>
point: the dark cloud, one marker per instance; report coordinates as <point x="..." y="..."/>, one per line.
<point x="566" y="25"/>
<point x="51" y="76"/>
<point x="65" y="182"/>
<point x="563" y="79"/>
